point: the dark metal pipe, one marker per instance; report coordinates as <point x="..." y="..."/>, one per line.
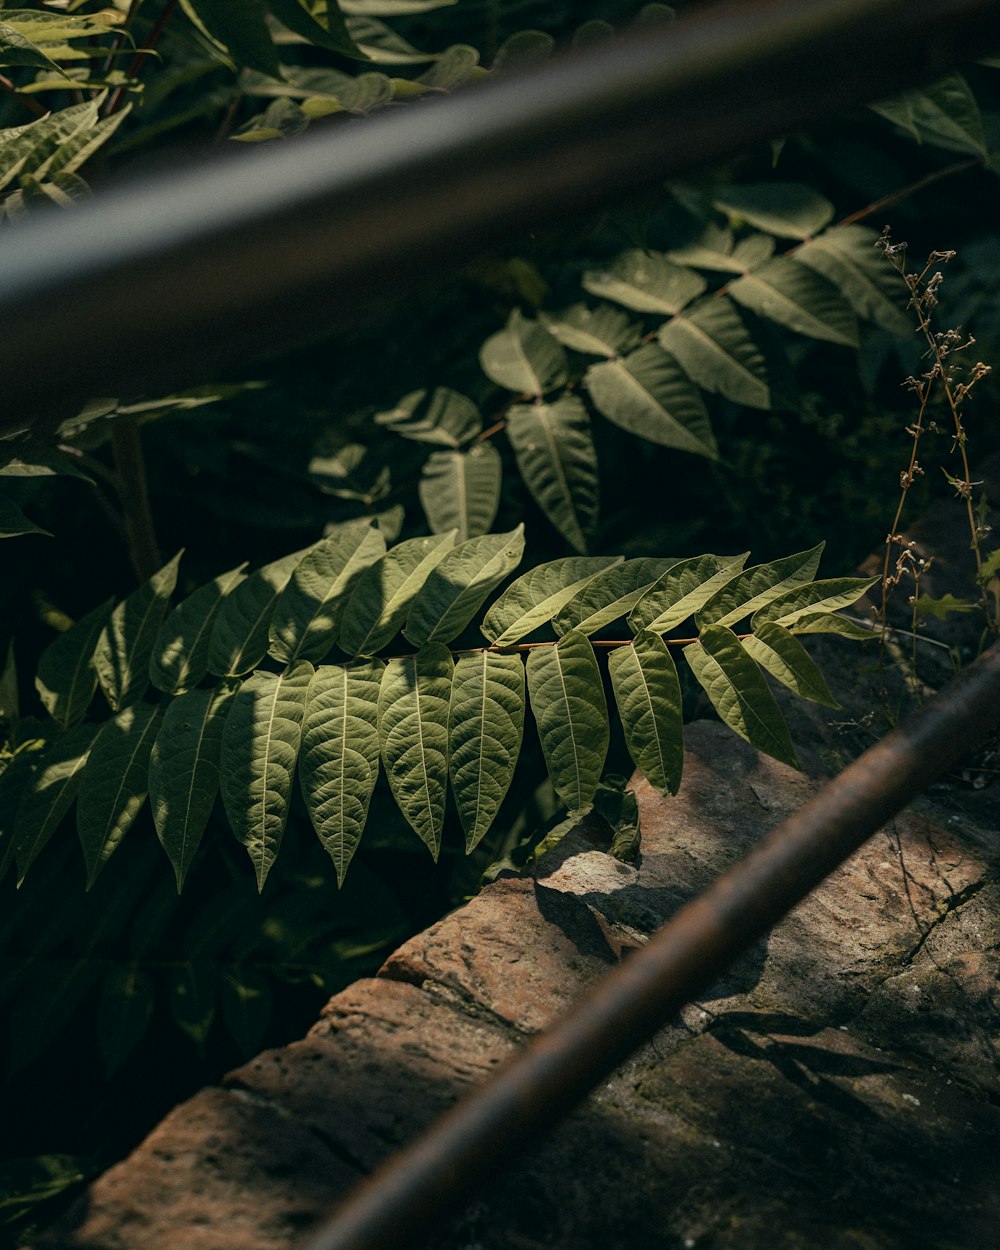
<point x="494" y="1125"/>
<point x="191" y="272"/>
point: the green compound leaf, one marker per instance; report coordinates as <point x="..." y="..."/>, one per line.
<point x="555" y="453"/>
<point x="180" y="657"/>
<point x="47" y="798"/>
<point x="338" y="761"/>
<point x="785" y="658"/>
<point x="384" y="591"/>
<point x="240" y="633"/>
<point x="260" y="744"/>
<point x="567" y="701"/>
<point x="600" y="331"/>
<point x="535" y="598"/>
<point x="739" y="692"/>
<point x="787" y="209"/>
<point x="817" y="597"/>
<point x="485" y="730"/>
<point x="645" y="281"/>
<point x="307" y="614"/>
<point x="799" y="299"/>
<point x="239" y="28"/>
<point x="524" y="357"/>
<point x="714" y="348"/>
<point x="609" y="595"/>
<point x="846" y="256"/>
<point x="124" y="1010"/>
<point x="66" y="678"/>
<point x="114" y="784"/>
<point x="126" y="643"/>
<point x="684" y="588"/>
<point x="647" y="394"/>
<point x="184" y="772"/>
<point x="413" y="732"/>
<point x="460" y="490"/>
<point x="443" y="417"/>
<point x="456" y="587"/>
<point x="760" y="585"/>
<point x="648" y="694"/>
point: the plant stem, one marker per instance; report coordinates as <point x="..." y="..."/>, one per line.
<point x="28" y="101"/>
<point x="133" y="494"/>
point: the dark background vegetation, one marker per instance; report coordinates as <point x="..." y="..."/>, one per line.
<point x="230" y="482"/>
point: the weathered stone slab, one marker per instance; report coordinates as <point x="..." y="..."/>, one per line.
<point x="833" y="1090"/>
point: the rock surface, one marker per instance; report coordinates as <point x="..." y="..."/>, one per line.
<point x="838" y="1088"/>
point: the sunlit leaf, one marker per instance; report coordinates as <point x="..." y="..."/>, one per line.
<point x="787" y="209"/>
<point x="413" y="732"/>
<point x="847" y="257"/>
<point x="799" y="299"/>
<point x="647" y="394"/>
<point x="115" y="783"/>
<point x="568" y="704"/>
<point x="184" y="772"/>
<point x="714" y="348"/>
<point x="758" y="586"/>
<point x="485" y="729"/>
<point x="66" y="677"/>
<point x="524" y="357"/>
<point x="555" y="453"/>
<point x="600" y="331"/>
<point x="785" y="658"/>
<point x="645" y="281"/>
<point x="240" y="633"/>
<point x="384" y="591"/>
<point x="126" y="643"/>
<point x="458" y="584"/>
<point x="180" y="657"/>
<point x="682" y="590"/>
<point x="815" y="597"/>
<point x="609" y="595"/>
<point x="460" y="490"/>
<point x="307" y="615"/>
<point x="536" y="596"/>
<point x="648" y="694"/>
<point x="260" y="745"/>
<point x="739" y="692"/>
<point x="339" y="757"/>
<point x="832" y="623"/>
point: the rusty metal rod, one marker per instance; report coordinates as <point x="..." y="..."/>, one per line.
<point x="196" y="270"/>
<point x="493" y="1126"/>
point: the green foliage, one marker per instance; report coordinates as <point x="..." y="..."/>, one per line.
<point x="642" y="382"/>
<point x="428" y="720"/>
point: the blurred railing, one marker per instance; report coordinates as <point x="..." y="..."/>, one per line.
<point x="178" y="277"/>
